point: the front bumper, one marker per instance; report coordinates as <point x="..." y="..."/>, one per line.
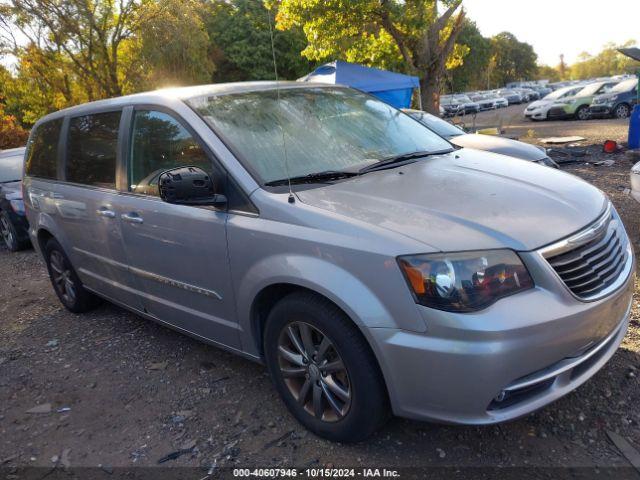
<point x="558" y="113"/>
<point x="530" y="349"/>
<point x="537" y="114"/>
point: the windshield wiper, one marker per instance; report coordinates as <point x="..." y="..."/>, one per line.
<point x="318" y="177"/>
<point x="391" y="161"/>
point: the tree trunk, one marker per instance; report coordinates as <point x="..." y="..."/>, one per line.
<point x="430" y="91"/>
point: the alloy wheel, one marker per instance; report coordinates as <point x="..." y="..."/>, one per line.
<point x="583" y="114"/>
<point x="5" y="231"/>
<point x="62" y="278"/>
<point x="314" y="372"/>
<point x="622" y="111"/>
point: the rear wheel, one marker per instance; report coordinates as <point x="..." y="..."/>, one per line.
<point x="324" y="369"/>
<point x="583" y="113"/>
<point x="65" y="281"/>
<point x="622" y="111"/>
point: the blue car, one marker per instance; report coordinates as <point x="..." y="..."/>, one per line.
<point x="617" y="102"/>
<point x="13" y="222"/>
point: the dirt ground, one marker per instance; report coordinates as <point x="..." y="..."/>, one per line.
<point x="118" y="391"/>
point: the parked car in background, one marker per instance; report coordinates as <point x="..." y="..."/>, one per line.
<point x="500" y="102"/>
<point x="578" y="106"/>
<point x="512" y="96"/>
<point x="450" y="105"/>
<point x="488" y="143"/>
<point x="13" y="221"/>
<point x="379" y="270"/>
<point x="484" y="101"/>
<point x="539" y="109"/>
<point x="528" y="94"/>
<point x="467" y="106"/>
<point x="617" y="102"/>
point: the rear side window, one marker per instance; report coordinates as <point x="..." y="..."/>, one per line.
<point x="42" y="151"/>
<point x="91" y="149"/>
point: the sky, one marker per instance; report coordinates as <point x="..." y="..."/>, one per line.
<point x="553" y="27"/>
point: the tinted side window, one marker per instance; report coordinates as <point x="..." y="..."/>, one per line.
<point x="159" y="142"/>
<point x="91" y="149"/>
<point x="42" y="154"/>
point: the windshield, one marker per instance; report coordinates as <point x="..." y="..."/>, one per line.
<point x="324" y="128"/>
<point x="441" y="127"/>
<point x="562" y="92"/>
<point x="625" y="86"/>
<point x="590" y="89"/>
<point x="11" y="167"/>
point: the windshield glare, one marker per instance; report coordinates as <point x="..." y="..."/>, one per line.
<point x="324" y="128"/>
<point x="625" y="86"/>
<point x="11" y="168"/>
<point x="563" y="92"/>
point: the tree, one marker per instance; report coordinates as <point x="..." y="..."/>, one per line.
<point x="88" y="34"/>
<point x="411" y="33"/>
<point x="546" y="72"/>
<point x="511" y="60"/>
<point x="11" y="133"/>
<point x="171" y="49"/>
<point x="606" y="63"/>
<point x="472" y="74"/>
<point x="241" y="42"/>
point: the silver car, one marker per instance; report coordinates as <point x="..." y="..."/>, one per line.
<point x="374" y="269"/>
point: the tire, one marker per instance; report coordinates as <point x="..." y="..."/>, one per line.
<point x="582" y="113"/>
<point x="65" y="281"/>
<point x="622" y="111"/>
<point x="361" y="405"/>
<point x="9" y="233"/>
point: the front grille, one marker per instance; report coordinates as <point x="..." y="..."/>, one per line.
<point x="592" y="267"/>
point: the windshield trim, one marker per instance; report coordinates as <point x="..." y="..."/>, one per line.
<point x="244" y="163"/>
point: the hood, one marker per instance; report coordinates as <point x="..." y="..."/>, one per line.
<point x="466" y="200"/>
<point x="539" y="103"/>
<point x="12" y="190"/>
<point x="501" y="145"/>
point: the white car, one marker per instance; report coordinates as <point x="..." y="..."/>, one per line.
<point x="635" y="182"/>
<point x="539" y="109"/>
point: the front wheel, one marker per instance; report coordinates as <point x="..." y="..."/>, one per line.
<point x="9" y="233"/>
<point x="323" y="369"/>
<point x="583" y="113"/>
<point x="622" y="111"/>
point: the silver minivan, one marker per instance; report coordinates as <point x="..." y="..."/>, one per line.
<point x="374" y="267"/>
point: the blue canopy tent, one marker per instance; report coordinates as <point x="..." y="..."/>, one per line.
<point x="390" y="87"/>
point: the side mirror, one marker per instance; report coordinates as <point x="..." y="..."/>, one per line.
<point x="188" y="186"/>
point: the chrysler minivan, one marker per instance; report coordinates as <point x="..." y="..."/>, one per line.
<point x="372" y="266"/>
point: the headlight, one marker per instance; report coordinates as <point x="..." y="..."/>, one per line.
<point x="17" y="206"/>
<point x="464" y="281"/>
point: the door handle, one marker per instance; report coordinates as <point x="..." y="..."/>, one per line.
<point x="131" y="218"/>
<point x="105" y="212"/>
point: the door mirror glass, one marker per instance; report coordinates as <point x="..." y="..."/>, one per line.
<point x="188" y="186"/>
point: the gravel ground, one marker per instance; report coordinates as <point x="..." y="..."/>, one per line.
<point x="120" y="391"/>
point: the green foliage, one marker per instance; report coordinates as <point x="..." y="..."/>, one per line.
<point x="472" y="74"/>
<point x="511" y="60"/>
<point x="406" y="35"/>
<point x="606" y="63"/>
<point x="241" y="43"/>
<point x="172" y="49"/>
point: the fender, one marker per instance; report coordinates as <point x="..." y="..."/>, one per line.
<point x="321" y="276"/>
